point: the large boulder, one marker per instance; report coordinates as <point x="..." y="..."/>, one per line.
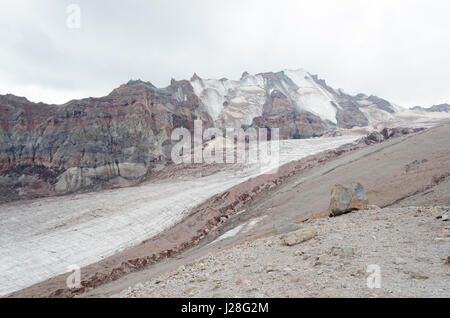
<point x="347" y="198"/>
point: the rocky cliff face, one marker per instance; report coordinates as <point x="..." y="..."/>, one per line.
<point x="87" y="144"/>
<point x="123" y="137"/>
<point x="279" y="112"/>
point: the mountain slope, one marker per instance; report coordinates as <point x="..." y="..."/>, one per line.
<point x="121" y="138"/>
<point x="237" y="103"/>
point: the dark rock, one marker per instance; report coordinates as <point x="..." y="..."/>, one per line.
<point x="347" y="198"/>
<point x="374" y="137"/>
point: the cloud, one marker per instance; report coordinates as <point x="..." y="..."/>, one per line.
<point x="399" y="50"/>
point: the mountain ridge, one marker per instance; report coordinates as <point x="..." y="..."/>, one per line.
<point x="441" y="108"/>
<point x="125" y="136"/>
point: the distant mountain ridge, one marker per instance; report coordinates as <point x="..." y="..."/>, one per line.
<point x="441" y="108"/>
<point x="122" y="138"/>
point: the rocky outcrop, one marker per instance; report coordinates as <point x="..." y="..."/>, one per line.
<point x="374" y="101"/>
<point x="279" y="112"/>
<point x="347" y="198"/>
<point x="387" y="133"/>
<point x="359" y="110"/>
<point x="348" y="114"/>
<point x="299" y="236"/>
<point x="87" y="144"/>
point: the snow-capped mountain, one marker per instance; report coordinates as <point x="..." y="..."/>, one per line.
<point x="239" y="102"/>
<point x="125" y="136"/>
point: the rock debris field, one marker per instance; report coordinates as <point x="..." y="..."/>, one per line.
<point x="409" y="247"/>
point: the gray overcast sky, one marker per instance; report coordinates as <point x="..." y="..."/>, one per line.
<point x="399" y="49"/>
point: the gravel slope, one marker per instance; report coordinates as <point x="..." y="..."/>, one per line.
<point x="410" y="245"/>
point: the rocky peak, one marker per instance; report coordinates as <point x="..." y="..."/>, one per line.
<point x="244" y="75"/>
<point x="134" y="83"/>
<point x="195" y="77"/>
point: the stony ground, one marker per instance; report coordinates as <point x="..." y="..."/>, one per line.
<point x="411" y="246"/>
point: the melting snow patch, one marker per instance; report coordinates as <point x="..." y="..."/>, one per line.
<point x="229" y="234"/>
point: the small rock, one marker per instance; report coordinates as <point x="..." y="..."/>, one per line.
<point x="242" y="281"/>
<point x="358" y="273"/>
<point x="399" y="261"/>
<point x="418" y="276"/>
<point x="444" y="233"/>
<point x="318" y="260"/>
<point x="270" y="269"/>
<point x="295" y="279"/>
<point x="300" y="236"/>
<point x="445" y="217"/>
<point x="343" y="251"/>
<point x="448" y="260"/>
<point x="202" y="279"/>
<point x="299" y="253"/>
